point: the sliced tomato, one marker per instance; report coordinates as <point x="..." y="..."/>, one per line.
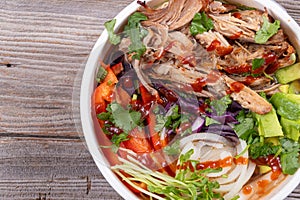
<point x="138" y="141"/>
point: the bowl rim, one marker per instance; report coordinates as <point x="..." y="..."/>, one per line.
<point x="88" y="85"/>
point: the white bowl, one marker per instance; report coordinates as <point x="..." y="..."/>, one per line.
<point x="102" y="46"/>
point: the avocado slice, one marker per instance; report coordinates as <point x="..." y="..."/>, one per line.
<point x="263" y="169"/>
<point x="268" y="124"/>
<point x="287" y="105"/>
<point x="284" y="88"/>
<point x="291" y="128"/>
<point x="294" y="87"/>
<point x="288" y="74"/>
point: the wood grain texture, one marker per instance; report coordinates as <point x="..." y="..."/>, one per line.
<point x="43" y="49"/>
<point x="32" y="168"/>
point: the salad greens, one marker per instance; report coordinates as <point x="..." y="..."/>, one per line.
<point x="136" y="33"/>
<point x="257" y="63"/>
<point x="220" y="105"/>
<point x="267" y="135"/>
<point x="113" y="38"/>
<point x="171" y="121"/>
<point x="267" y="31"/>
<point x="289" y="158"/>
<point x="201" y="23"/>
<point x="124" y="119"/>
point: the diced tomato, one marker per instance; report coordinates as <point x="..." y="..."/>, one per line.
<point x="118" y="68"/>
<point x="138" y="141"/>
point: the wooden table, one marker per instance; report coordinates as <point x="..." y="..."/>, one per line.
<point x="43" y="49"/>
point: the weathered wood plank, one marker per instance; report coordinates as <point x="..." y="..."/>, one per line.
<point x="32" y="168"/>
<point x="46" y="44"/>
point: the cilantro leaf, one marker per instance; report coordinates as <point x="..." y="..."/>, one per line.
<point x="267" y="31"/>
<point x="221" y="105"/>
<point x="244" y="125"/>
<point x="257" y="63"/>
<point x="289" y="162"/>
<point x="201" y="23"/>
<point x="117" y="139"/>
<point x="173" y="149"/>
<point x="113" y="38"/>
<point x="171" y="121"/>
<point x="263" y="149"/>
<point x="289" y="157"/>
<point x="209" y="121"/>
<point x="124" y="119"/>
<point x="136" y="32"/>
<point x="160" y="123"/>
<point x="246" y="129"/>
<point x="104" y="116"/>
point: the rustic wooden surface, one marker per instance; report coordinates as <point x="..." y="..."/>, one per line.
<point x="43" y="49"/>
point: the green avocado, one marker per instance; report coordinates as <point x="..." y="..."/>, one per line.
<point x="268" y="124"/>
<point x="284" y="88"/>
<point x="294" y="87"/>
<point x="288" y="74"/>
<point x="287" y="105"/>
<point x="291" y="128"/>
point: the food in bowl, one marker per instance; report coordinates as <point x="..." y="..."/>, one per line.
<point x="199" y="100"/>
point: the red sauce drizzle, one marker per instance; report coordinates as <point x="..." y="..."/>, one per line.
<point x="222" y="51"/>
<point x="241" y="161"/>
<point x="236" y="36"/>
<point x="199" y="84"/>
<point x="249" y="80"/>
<point x="226" y="162"/>
<point x="269" y="58"/>
<point x="238" y="69"/>
<point x="273" y="162"/>
<point x="262" y="184"/>
<point x="247" y="189"/>
<point x="237" y="15"/>
<point x="214" y="44"/>
<point x="203" y="107"/>
<point x="272" y="68"/>
<point x="236" y="87"/>
<point x="190" y="60"/>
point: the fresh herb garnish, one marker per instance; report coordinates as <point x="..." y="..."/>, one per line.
<point x="267" y="31"/>
<point x="259" y="149"/>
<point x="160" y="123"/>
<point x="126" y="120"/>
<point x="136" y="33"/>
<point x="201" y="23"/>
<point x="210" y="121"/>
<point x="113" y="38"/>
<point x="172" y="120"/>
<point x="289" y="157"/>
<point x="185" y="185"/>
<point x="246" y="129"/>
<point x="173" y="149"/>
<point x="221" y="105"/>
<point x="117" y="139"/>
<point x="101" y="74"/>
<point x="257" y="63"/>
